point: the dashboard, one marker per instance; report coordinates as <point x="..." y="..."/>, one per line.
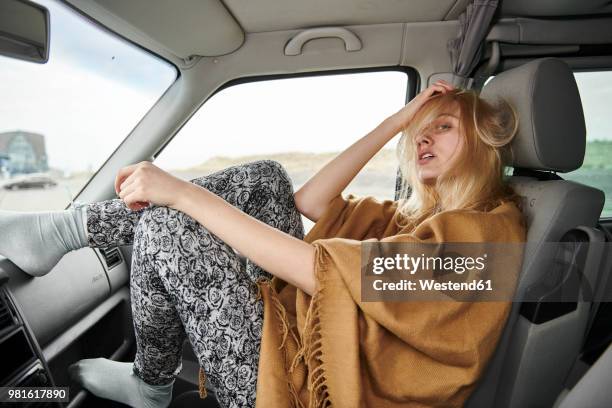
<point x="80" y="309"/>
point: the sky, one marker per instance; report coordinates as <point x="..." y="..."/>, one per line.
<point x="89" y="95"/>
<point x="96" y="87"/>
<point x="322" y="114"/>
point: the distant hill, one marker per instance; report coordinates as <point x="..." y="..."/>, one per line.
<point x="294" y="162"/>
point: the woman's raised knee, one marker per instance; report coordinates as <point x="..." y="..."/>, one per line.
<point x="276" y="170"/>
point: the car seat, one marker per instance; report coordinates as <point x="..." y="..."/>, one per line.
<point x="541" y="340"/>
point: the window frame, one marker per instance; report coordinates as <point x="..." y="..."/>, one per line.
<point x="412" y="76"/>
<point x="411" y="73"/>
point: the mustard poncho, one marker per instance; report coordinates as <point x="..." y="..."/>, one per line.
<point x="335" y="350"/>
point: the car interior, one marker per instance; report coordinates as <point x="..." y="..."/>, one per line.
<point x="552" y="353"/>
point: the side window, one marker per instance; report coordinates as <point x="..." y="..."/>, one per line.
<point x="596" y="93"/>
<point x="61" y="120"/>
<point x="300" y="122"/>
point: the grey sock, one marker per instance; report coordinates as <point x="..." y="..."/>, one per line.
<point x="36" y="241"/>
<point x="116" y="381"/>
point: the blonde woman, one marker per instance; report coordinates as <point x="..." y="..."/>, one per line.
<point x="289" y="328"/>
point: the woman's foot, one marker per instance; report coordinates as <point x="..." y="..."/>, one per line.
<point x="116" y="381"/>
<point x="36" y="241"/>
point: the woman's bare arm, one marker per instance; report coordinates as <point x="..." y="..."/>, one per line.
<point x="314" y="196"/>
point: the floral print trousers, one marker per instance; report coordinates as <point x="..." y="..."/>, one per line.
<point x="187" y="283"/>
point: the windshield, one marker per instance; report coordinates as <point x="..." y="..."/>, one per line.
<point x="60" y="121"/>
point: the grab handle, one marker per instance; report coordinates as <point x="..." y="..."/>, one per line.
<point x="351" y="41"/>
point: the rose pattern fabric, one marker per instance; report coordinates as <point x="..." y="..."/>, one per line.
<point x="187" y="283"/>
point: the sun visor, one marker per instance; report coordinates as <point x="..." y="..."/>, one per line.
<point x="172" y="29"/>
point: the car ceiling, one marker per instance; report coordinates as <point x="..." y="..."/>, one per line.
<point x="188" y="28"/>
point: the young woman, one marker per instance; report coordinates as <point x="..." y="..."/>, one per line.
<point x="187" y="281"/>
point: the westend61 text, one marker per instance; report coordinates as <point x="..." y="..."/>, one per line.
<point x="432" y="284"/>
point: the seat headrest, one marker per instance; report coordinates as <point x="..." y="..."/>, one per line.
<point x="552" y="132"/>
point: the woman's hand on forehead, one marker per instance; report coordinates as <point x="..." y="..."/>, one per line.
<point x="405" y="115"/>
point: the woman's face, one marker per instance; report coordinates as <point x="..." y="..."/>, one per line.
<point x="438" y="145"/>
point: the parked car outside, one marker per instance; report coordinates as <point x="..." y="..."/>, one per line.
<point x="31" y="182"/>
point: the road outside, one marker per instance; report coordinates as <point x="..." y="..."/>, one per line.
<point x="42" y="199"/>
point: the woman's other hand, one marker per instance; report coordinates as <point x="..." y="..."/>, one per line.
<point x="144" y="184"/>
<point x="405" y="115"/>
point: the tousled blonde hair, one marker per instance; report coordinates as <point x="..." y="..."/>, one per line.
<point x="476" y="179"/>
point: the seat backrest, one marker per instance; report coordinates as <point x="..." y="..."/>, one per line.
<point x="551" y="137"/>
